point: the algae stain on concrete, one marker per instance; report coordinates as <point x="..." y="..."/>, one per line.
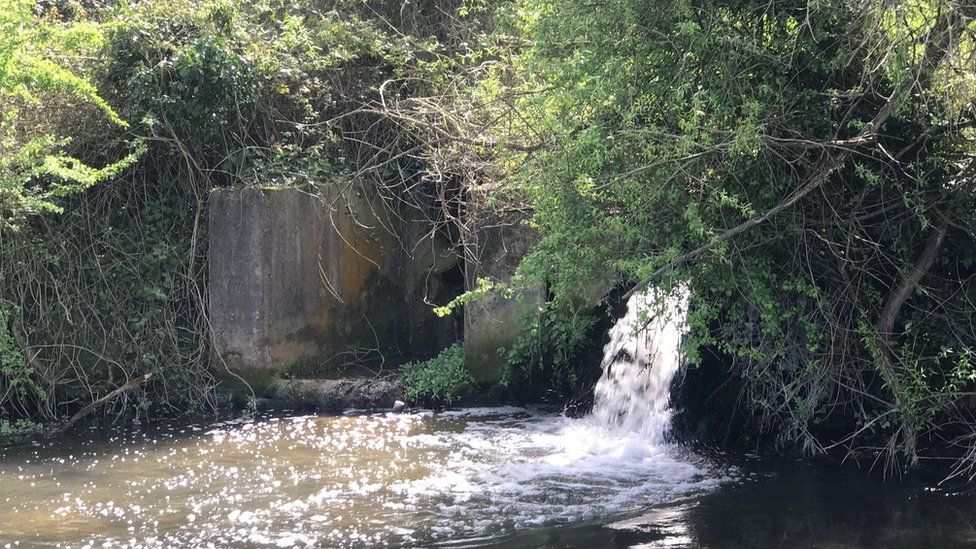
<point x="295" y="277"/>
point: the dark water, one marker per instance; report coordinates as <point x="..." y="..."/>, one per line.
<point x="794" y="505"/>
<point x="487" y="477"/>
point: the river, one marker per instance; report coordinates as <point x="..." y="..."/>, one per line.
<point x="505" y="477"/>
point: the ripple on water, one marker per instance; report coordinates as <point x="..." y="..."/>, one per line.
<point x="353" y="480"/>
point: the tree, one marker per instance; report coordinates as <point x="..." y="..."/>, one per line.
<point x="808" y="167"/>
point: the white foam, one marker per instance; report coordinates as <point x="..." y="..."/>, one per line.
<point x="538" y="468"/>
<point x="485" y="411"/>
<point x="639" y="362"/>
<point x="535" y="467"/>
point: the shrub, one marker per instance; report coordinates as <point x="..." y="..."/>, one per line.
<point x="440" y="380"/>
<point x="18" y="427"/>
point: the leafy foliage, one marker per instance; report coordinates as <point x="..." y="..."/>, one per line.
<point x="34" y="174"/>
<point x="440" y="380"/>
<point x="546" y="357"/>
<point x="18" y="427"/>
<point x="674" y="122"/>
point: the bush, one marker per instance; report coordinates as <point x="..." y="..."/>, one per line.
<point x="440" y="380"/>
<point x="18" y="427"/>
<point x="214" y="94"/>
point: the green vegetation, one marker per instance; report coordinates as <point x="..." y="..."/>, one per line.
<point x="104" y="274"/>
<point x="440" y="380"/>
<point x="34" y="172"/>
<point x="18" y="427"/>
<point x="807" y="167"/>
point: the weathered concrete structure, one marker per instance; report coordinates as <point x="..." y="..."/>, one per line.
<point x="299" y="279"/>
<point x="494" y="323"/>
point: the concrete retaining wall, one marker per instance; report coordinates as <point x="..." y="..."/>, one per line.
<point x="298" y="279"/>
<point x="494" y="323"/>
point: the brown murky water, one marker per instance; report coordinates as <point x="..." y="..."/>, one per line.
<point x="355" y="480"/>
<point x="481" y="477"/>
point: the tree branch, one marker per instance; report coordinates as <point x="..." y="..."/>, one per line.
<point x="132" y="384"/>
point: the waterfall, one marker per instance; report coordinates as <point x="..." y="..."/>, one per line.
<point x="639" y="363"/>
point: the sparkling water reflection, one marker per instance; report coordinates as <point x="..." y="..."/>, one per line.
<point x="354" y="480"/>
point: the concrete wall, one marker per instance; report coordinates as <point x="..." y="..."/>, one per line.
<point x="296" y="278"/>
<point x="494" y="251"/>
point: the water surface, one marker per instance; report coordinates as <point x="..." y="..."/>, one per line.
<point x="350" y="480"/>
<point x="479" y="477"/>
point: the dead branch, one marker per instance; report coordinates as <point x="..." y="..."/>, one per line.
<point x="132" y="384"/>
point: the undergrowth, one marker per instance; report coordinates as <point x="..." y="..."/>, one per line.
<point x="442" y="380"/>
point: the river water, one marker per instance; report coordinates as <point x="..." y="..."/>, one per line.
<point x="504" y="477"/>
<point x="354" y="480"/>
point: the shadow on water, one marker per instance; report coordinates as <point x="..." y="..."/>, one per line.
<point x="783" y="505"/>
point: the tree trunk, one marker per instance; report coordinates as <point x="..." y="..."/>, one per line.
<point x="885" y="328"/>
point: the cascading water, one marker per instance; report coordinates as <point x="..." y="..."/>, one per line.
<point x="639" y="363"/>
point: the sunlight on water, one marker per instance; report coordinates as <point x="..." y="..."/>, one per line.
<point x="340" y="481"/>
<point x="370" y="479"/>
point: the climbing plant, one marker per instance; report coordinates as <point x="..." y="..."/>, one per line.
<point x="34" y="172"/>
